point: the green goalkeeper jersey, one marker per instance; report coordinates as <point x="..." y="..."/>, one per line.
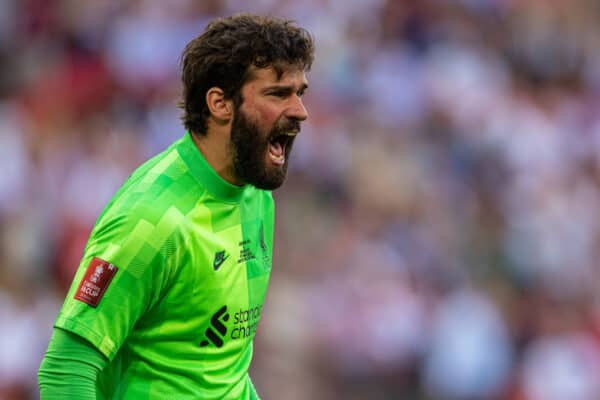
<point x="172" y="281"/>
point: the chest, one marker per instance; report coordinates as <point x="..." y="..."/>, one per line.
<point x="227" y="264"/>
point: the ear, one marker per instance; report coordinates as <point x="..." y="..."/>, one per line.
<point x="218" y="106"/>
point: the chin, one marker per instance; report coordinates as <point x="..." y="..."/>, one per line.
<point x="271" y="184"/>
<point x="270" y="179"/>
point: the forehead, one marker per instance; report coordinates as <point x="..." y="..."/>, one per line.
<point x="263" y="77"/>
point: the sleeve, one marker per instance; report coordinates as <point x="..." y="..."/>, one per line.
<point x="70" y="368"/>
<point x="130" y="258"/>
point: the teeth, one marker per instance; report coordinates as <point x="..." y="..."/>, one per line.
<point x="277" y="159"/>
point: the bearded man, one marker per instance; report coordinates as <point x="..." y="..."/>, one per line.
<point x="169" y="292"/>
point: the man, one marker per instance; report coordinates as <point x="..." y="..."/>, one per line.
<point x="170" y="289"/>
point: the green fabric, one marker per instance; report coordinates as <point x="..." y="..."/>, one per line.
<point x="70" y="368"/>
<point x="253" y="394"/>
<point x="193" y="257"/>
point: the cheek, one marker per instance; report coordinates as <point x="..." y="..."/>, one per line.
<point x="263" y="115"/>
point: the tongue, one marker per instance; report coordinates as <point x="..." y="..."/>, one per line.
<point x="276" y="149"/>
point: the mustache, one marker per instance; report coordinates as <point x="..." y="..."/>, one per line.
<point x="290" y="125"/>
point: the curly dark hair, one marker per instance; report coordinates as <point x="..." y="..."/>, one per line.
<point x="222" y="55"/>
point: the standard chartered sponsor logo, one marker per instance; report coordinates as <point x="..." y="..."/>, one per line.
<point x="244" y="324"/>
<point x="217" y="323"/>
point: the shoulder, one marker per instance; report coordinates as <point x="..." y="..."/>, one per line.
<point x="154" y="201"/>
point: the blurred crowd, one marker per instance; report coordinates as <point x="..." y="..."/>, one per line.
<point x="438" y="234"/>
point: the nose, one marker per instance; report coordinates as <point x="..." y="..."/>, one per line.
<point x="296" y="109"/>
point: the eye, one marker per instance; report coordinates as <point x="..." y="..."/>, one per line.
<point x="279" y="93"/>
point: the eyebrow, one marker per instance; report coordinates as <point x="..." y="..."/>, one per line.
<point x="284" y="88"/>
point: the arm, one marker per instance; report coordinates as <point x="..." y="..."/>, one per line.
<point x="70" y="368"/>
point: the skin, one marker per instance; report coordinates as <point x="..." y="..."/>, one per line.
<point x="268" y="102"/>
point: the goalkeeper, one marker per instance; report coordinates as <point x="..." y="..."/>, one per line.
<point x="170" y="289"/>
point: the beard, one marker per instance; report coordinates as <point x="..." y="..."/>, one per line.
<point x="250" y="146"/>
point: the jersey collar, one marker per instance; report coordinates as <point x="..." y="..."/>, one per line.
<point x="205" y="174"/>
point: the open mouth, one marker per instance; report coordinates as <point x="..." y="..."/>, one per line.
<point x="278" y="145"/>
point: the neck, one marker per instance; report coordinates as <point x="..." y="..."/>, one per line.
<point x="217" y="152"/>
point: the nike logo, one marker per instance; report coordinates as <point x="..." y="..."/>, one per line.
<point x="220" y="257"/>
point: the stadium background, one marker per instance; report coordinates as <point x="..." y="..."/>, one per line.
<point x="437" y="237"/>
